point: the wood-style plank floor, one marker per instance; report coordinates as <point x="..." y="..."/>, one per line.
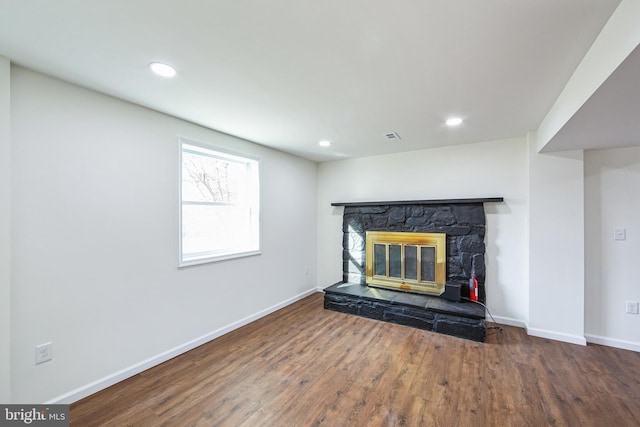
<point x="306" y="366"/>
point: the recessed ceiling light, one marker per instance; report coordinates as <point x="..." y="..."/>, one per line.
<point x="324" y="143"/>
<point x="454" y="121"/>
<point x="163" y="70"/>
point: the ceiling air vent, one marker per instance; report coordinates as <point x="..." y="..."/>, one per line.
<point x="392" y="136"/>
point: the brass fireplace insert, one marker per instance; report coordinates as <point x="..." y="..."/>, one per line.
<point x="412" y="262"/>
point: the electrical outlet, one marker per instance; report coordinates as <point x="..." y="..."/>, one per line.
<point x="306" y="271"/>
<point x="632" y="307"/>
<point x="44" y="353"/>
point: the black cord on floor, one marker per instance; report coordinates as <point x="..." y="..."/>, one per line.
<point x="496" y="328"/>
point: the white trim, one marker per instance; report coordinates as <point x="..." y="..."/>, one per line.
<point x="573" y="339"/>
<point x="557" y="336"/>
<point x="543" y="333"/>
<point x="255" y="247"/>
<point x="613" y="342"/>
<point x="116" y="377"/>
<point x="510" y="322"/>
<point x="208" y="259"/>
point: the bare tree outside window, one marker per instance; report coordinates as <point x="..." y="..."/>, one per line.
<point x="220" y="205"/>
<point x="211" y="177"/>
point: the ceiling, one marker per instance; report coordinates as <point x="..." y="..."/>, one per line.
<point x="610" y="117"/>
<point x="287" y="73"/>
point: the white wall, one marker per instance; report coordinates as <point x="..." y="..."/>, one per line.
<point x="5" y="221"/>
<point x="490" y="169"/>
<point x="556" y="233"/>
<point x="612" y="179"/>
<point x="94" y="239"/>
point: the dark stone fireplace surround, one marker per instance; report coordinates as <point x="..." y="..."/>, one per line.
<point x="462" y="220"/>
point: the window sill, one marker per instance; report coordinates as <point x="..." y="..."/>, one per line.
<point x="215" y="258"/>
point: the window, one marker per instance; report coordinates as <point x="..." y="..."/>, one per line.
<point x="219" y="205"/>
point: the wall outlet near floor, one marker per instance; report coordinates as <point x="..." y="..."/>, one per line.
<point x="632" y="307"/>
<point x="44" y="353"/>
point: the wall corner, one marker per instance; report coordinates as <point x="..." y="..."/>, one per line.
<point x="5" y="230"/>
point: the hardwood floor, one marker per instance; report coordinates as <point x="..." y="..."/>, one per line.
<point x="306" y="366"/>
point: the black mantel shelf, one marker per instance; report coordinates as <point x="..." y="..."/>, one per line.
<point x="421" y="202"/>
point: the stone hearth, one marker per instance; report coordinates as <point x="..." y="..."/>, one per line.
<point x="460" y="319"/>
<point x="463" y="222"/>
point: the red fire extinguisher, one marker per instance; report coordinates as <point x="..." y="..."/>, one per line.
<point x="473" y="287"/>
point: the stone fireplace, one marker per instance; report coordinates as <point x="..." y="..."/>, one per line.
<point x="441" y="307"/>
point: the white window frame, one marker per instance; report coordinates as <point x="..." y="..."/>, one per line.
<point x="255" y="247"/>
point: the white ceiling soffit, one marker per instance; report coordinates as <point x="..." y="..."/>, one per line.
<point x="288" y="74"/>
<point x="594" y="109"/>
<point x="611" y="116"/>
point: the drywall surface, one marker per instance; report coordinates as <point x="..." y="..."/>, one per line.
<point x="612" y="179"/>
<point x="5" y="230"/>
<point x="556" y="232"/>
<point x="618" y="38"/>
<point x="94" y="227"/>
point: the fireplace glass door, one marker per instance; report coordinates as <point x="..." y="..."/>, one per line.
<point x="413" y="262"/>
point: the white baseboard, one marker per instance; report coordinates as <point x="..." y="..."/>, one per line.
<point x="116" y="377"/>
<point x="612" y="342"/>
<point x="510" y="322"/>
<point x="557" y="336"/>
<point x="573" y="339"/>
